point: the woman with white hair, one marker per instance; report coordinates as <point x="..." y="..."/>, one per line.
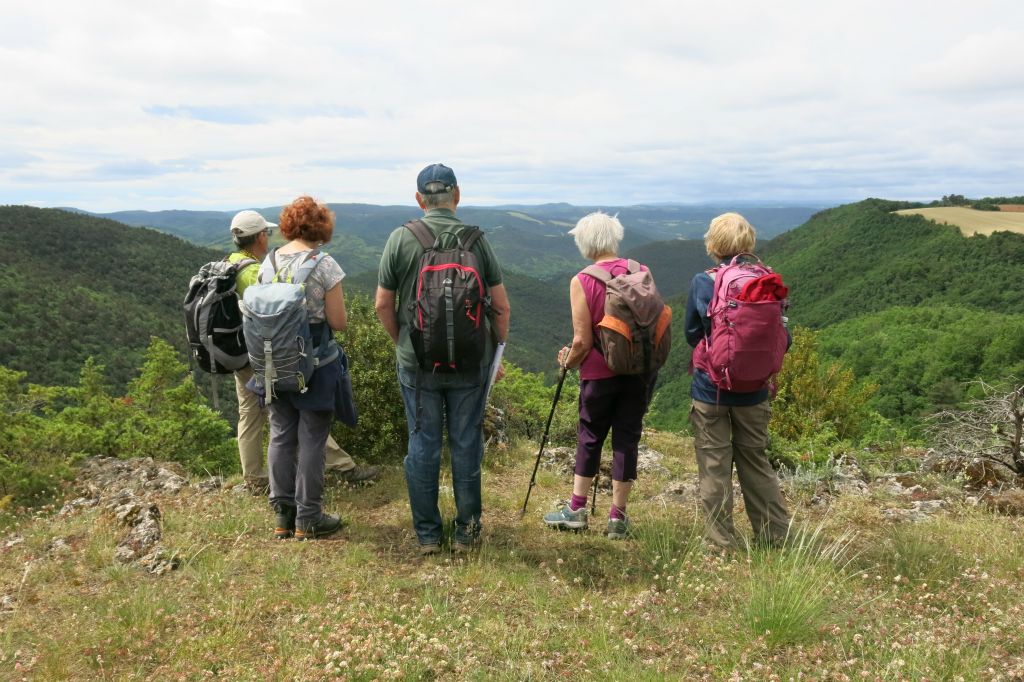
<point x="608" y="401"/>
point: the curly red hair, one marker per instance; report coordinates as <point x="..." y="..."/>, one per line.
<point x="307" y="219"/>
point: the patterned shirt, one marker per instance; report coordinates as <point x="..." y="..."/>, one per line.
<point x="327" y="275"/>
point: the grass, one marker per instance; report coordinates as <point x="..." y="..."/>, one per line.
<point x="971" y="221"/>
<point x="794" y="588"/>
<point x="852" y="598"/>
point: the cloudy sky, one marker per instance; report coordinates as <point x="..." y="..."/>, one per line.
<point x="224" y="104"/>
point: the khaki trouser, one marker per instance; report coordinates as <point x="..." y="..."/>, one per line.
<point x="724" y="435"/>
<point x="251" y="420"/>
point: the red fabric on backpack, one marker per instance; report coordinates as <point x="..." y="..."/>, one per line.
<point x="766" y="288"/>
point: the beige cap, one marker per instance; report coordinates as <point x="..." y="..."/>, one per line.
<point x="248" y="222"/>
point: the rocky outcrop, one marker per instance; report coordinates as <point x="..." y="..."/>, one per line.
<point x="129" y="490"/>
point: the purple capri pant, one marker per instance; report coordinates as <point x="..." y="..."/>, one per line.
<point x="619" y="404"/>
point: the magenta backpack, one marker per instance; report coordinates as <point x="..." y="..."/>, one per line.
<point x="748" y="336"/>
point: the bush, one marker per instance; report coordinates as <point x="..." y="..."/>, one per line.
<point x="162" y="416"/>
<point x="814" y="397"/>
<point x="381" y="434"/>
<point x="525" y="399"/>
<point x="29" y="473"/>
<point x="45" y="430"/>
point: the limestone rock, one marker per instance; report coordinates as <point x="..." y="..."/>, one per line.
<point x="918" y="512"/>
<point x="211" y="484"/>
<point x="58" y="547"/>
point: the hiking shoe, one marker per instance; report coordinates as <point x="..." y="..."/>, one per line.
<point x="465" y="545"/>
<point x="618" y="529"/>
<point x="358" y="474"/>
<point x="285" y="524"/>
<point x="565" y="517"/>
<point x="430" y="548"/>
<point x="322" y="527"/>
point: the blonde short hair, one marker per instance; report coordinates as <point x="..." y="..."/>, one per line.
<point x="598" y="234"/>
<point x="728" y="235"/>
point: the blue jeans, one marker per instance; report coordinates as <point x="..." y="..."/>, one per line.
<point x="460" y="398"/>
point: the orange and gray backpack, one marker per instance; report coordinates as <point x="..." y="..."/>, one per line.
<point x="635" y="334"/>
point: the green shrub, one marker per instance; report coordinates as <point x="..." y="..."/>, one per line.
<point x="525" y="399"/>
<point x="381" y="432"/>
<point x="44" y="430"/>
<point x="29" y="474"/>
<point x="162" y="416"/>
<point x="817" y="404"/>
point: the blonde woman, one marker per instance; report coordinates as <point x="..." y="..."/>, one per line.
<point x="730" y="428"/>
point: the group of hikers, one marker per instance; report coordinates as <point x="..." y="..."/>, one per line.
<point x="441" y="298"/>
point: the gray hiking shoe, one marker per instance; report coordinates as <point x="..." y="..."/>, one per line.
<point x="567" y="518"/>
<point x="619" y="529"/>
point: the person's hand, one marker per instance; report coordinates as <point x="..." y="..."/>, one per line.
<point x="501" y="372"/>
<point x="563" y="356"/>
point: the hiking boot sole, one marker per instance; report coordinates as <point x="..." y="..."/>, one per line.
<point x="283" y="533"/>
<point x="567" y="525"/>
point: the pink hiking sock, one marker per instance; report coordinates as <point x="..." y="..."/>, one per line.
<point x="616" y="513"/>
<point x="577" y="502"/>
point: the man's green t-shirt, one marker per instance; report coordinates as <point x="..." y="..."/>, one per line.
<point x="400" y="262"/>
<point x="246" y="275"/>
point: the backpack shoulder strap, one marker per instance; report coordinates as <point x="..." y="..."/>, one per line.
<point x="469" y="236"/>
<point x="632" y="266"/>
<point x="268" y="268"/>
<point x="422" y="233"/>
<point x="305" y="267"/>
<point x="597" y="272"/>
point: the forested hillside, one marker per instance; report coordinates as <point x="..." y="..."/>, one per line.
<point x="910" y="306"/>
<point x="862" y="258"/>
<point x="74" y="286"/>
<point x="920" y="357"/>
<point x="673" y="263"/>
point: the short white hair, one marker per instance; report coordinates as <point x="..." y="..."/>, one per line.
<point x="598" y="234"/>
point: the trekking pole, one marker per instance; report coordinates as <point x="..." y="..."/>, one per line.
<point x="544" y="438"/>
<point x="593" y="505"/>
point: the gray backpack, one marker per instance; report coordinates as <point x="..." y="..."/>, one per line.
<point x="277" y="330"/>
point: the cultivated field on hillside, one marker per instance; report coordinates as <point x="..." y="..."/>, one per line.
<point x="972" y="222"/>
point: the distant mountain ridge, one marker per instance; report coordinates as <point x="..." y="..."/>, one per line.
<point x="532" y="240"/>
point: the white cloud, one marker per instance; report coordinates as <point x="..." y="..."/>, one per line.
<point x="223" y="104"/>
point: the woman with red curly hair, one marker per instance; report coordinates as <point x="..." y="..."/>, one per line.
<point x="301" y="422"/>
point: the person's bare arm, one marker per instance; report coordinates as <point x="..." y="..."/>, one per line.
<point x="384" y="304"/>
<point x="334" y="308"/>
<point x="582" y="332"/>
<point x="501" y="308"/>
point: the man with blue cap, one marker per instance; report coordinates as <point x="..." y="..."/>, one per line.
<point x="451" y="389"/>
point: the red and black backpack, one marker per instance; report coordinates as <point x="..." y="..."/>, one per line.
<point x="450" y="304"/>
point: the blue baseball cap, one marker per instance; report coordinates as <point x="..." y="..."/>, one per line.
<point x="437" y="172"/>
